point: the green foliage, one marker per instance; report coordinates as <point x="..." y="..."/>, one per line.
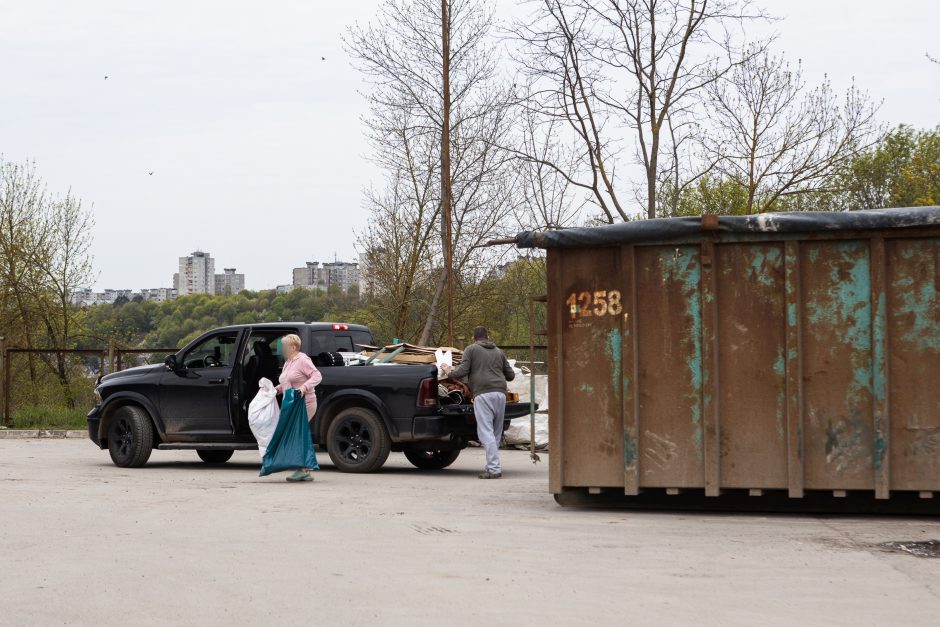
<point x="903" y="170"/>
<point x="175" y="322"/>
<point x="50" y="417"/>
<point x="708" y="194"/>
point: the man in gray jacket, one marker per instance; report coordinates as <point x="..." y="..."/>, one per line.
<point x="488" y="370"/>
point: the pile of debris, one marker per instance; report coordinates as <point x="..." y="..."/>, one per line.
<point x="407" y="354"/>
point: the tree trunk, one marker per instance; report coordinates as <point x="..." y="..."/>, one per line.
<point x="432" y="312"/>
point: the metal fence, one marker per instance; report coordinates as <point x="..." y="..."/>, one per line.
<point x="74" y="374"/>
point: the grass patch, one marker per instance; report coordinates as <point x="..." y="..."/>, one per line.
<point x="33" y="417"/>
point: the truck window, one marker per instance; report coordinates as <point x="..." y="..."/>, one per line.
<point x="216" y="351"/>
<point x="338" y="341"/>
<point x="360" y="339"/>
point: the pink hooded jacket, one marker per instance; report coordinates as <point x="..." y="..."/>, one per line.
<point x="299" y="372"/>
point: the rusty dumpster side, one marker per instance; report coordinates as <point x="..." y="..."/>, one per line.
<point x="769" y="361"/>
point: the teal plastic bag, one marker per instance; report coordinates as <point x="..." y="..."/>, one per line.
<point x="291" y="446"/>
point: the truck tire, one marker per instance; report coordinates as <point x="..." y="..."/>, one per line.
<point x="432" y="460"/>
<point x="357" y="440"/>
<point x="130" y="437"/>
<point x="215" y="456"/>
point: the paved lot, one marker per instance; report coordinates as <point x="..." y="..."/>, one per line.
<point x="182" y="543"/>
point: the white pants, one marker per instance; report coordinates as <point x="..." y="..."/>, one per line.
<point x="489" y="409"/>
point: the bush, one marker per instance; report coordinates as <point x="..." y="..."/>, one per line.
<point x="40" y="417"/>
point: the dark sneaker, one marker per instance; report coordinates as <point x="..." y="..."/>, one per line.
<point x="490" y="475"/>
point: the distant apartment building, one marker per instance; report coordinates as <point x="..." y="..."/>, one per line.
<point x="158" y="294"/>
<point x="313" y="275"/>
<point x="367" y="285"/>
<point x="107" y="297"/>
<point x="344" y="274"/>
<point x="89" y="297"/>
<point x="196" y="274"/>
<point x="229" y="283"/>
<point x="310" y="276"/>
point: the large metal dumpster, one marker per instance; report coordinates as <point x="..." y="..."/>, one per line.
<point x="748" y="354"/>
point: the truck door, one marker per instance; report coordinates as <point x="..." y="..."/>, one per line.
<point x="197" y="398"/>
<point x="262" y="357"/>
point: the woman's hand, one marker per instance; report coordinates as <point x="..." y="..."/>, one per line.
<point x="302" y="392"/>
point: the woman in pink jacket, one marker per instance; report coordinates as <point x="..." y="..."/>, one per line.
<point x="299" y="373"/>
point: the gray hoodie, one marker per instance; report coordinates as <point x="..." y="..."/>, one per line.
<point x="486" y="366"/>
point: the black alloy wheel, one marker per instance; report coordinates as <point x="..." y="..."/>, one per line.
<point x="130" y="437"/>
<point x="357" y="441"/>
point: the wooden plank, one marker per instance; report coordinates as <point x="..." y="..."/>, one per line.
<point x="391" y="356"/>
<point x="372" y="356"/>
<point x="630" y="399"/>
<point x="881" y="411"/>
<point x="711" y="406"/>
<point x="794" y="369"/>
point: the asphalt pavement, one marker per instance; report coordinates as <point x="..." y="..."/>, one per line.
<point x="179" y="542"/>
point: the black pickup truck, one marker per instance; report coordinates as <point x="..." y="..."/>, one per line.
<point x="198" y="399"/>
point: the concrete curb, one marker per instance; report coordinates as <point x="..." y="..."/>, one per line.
<point x="53" y="434"/>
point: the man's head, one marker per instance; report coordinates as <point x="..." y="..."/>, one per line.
<point x="480" y="333"/>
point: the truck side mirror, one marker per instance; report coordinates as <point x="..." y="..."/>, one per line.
<point x="171" y="363"/>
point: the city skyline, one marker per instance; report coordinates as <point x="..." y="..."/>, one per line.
<point x="199" y="277"/>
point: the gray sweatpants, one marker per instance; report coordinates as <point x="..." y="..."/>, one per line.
<point x="489" y="409"/>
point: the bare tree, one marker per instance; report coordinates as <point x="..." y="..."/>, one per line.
<point x="639" y="65"/>
<point x="401" y="55"/>
<point x="44" y="259"/>
<point x="561" y="105"/>
<point x="547" y="200"/>
<point x="777" y="138"/>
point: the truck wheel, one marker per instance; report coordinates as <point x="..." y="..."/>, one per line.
<point x="130" y="437"/>
<point x="432" y="460"/>
<point x="215" y="456"/>
<point x="357" y="441"/>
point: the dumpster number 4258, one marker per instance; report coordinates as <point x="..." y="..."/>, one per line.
<point x="599" y="303"/>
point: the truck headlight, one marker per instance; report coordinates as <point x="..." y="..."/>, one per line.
<point x="97" y="396"/>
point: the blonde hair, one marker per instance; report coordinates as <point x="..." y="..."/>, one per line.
<point x="293" y="339"/>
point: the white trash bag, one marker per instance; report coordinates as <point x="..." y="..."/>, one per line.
<point x="519" y="433"/>
<point x="442" y="358"/>
<point x="263" y="414"/>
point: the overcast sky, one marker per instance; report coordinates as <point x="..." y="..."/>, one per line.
<point x="254" y="141"/>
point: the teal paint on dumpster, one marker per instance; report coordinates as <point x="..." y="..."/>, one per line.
<point x="783" y="352"/>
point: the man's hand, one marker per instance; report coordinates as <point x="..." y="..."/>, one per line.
<point x="446" y="368"/>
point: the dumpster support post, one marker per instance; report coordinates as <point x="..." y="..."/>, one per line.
<point x="710" y="402"/>
<point x="881" y="411"/>
<point x="631" y="401"/>
<point x="794" y="369"/>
